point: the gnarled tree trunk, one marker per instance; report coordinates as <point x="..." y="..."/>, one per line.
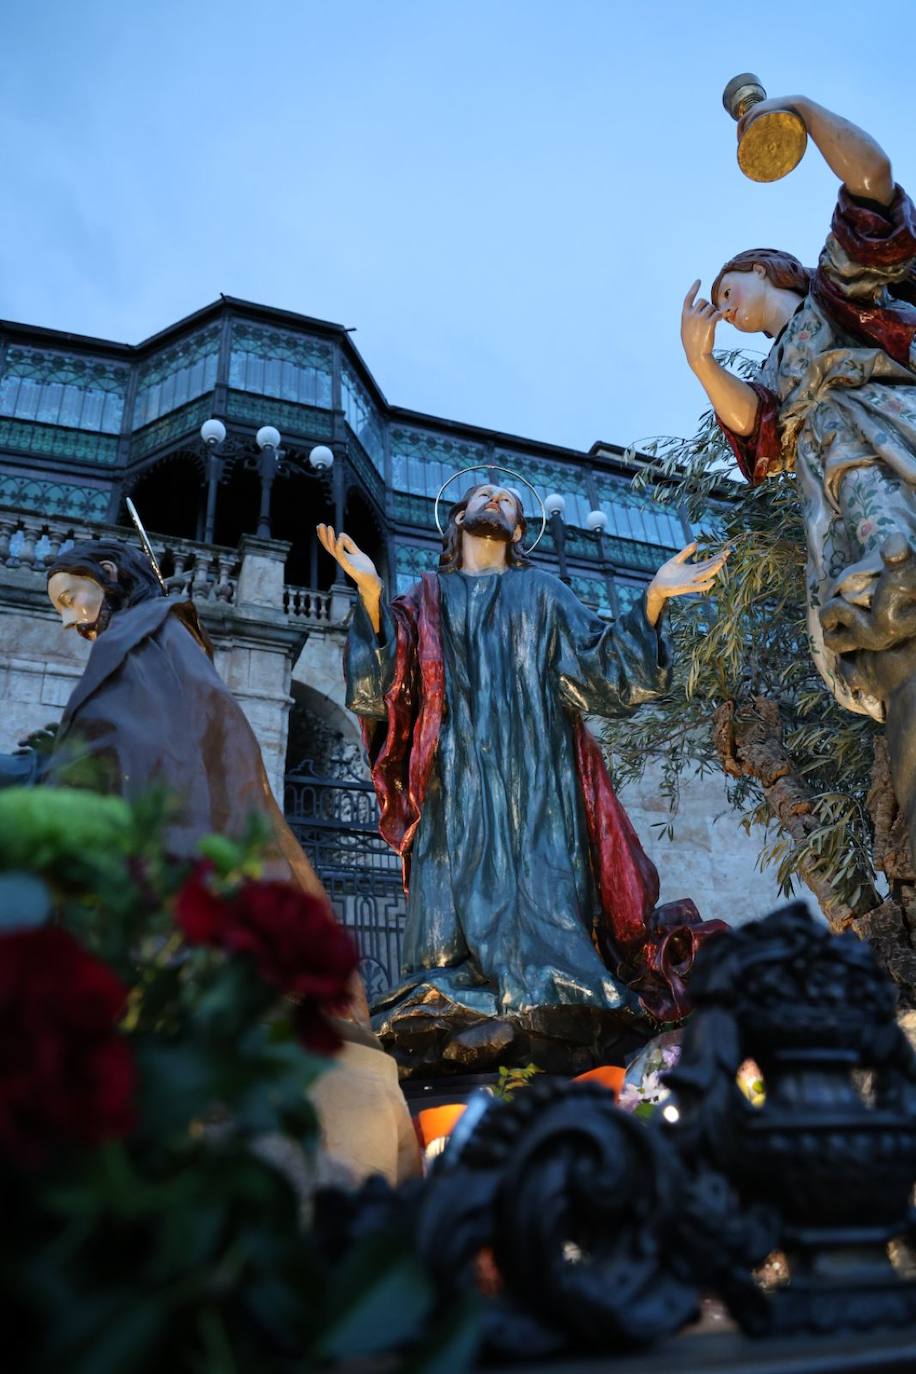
<point x="748" y="738"/>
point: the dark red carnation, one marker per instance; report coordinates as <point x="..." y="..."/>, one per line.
<point x="293" y="939"/>
<point x="65" y="1073"/>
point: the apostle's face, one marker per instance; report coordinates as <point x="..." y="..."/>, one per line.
<point x="79" y="600"/>
<point x="492" y="513"/>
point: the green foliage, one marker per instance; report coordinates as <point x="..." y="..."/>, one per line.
<point x="184" y="1245"/>
<point x="511" y="1079"/>
<point x="749" y="641"/>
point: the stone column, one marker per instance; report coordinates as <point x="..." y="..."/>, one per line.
<point x="256" y="648"/>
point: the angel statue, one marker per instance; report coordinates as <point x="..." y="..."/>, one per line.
<point x="835" y="402"/>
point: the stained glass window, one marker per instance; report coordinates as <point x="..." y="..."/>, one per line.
<point x="363" y="418"/>
<point x="62" y="389"/>
<point x="176" y="375"/>
<point x="273" y="362"/>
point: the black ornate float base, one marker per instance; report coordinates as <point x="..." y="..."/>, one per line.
<point x="431" y="1036"/>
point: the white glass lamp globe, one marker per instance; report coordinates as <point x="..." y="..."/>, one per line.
<point x="213" y="432"/>
<point x="267" y="437"/>
<point x="596" y="521"/>
<point x="555" y="504"/>
<point x="321" y="457"/>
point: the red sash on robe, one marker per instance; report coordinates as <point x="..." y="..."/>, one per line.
<point x="657" y="943"/>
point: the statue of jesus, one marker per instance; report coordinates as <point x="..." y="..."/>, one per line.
<point x="520" y="864"/>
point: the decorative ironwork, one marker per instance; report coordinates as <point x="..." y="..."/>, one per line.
<point x="361" y="464"/>
<point x="182" y="424"/>
<point x="593" y="591"/>
<point x="421" y="462"/>
<point x="54" y="498"/>
<point x="598" y="1231"/>
<point x="331" y="808"/>
<point x="546" y="476"/>
<point x="271" y="362"/>
<point x="176" y="375"/>
<point x="636" y="515"/>
<point x="363" y="418"/>
<point x="410" y="509"/>
<point x="413" y="559"/>
<point x="288" y="418"/>
<point x="51" y="442"/>
<point x="63" y="389"/>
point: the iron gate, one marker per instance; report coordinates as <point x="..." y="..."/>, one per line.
<point x="332" y="810"/>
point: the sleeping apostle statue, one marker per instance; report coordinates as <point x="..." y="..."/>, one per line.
<point x="150" y="709"/>
<point x="527" y="887"/>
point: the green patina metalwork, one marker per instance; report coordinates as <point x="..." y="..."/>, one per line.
<point x="411" y="509"/>
<point x="303" y="421"/>
<point x="628" y="593"/>
<point x="63" y="389"/>
<point x="363" y="418"/>
<point x="271" y="362"/>
<point x="637" y="515"/>
<point x="547" y="476"/>
<point x="53" y="442"/>
<point x="411" y="560"/>
<point x="593" y="591"/>
<point x="182" y="424"/>
<point x="362" y="465"/>
<point x="421" y="461"/>
<point x="176" y="375"/>
<point x="53" y="498"/>
<point x="628" y="553"/>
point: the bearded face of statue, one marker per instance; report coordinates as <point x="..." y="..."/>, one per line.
<point x="492" y="513"/>
<point x="81" y="601"/>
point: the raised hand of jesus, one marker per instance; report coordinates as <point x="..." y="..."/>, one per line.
<point x="678" y="577"/>
<point x="357" y="565"/>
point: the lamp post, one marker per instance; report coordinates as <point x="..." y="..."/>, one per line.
<point x="268" y="441"/>
<point x="213" y="433"/>
<point x="555" y="505"/>
<point x="222" y="453"/>
<point x="597" y="522"/>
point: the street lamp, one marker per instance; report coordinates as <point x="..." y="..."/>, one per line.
<point x="597" y="522"/>
<point x="268" y="441"/>
<point x="321" y="458"/>
<point x="555" y="506"/>
<point x="213" y="433"/>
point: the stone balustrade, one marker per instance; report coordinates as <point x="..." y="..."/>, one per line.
<point x="303" y="603"/>
<point x="30" y="542"/>
<point x="208" y="574"/>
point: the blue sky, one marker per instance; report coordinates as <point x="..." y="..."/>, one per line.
<point x="508" y="199"/>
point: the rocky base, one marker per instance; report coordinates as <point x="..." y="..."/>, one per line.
<point x="434" y="1037"/>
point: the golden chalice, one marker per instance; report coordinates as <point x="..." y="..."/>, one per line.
<point x="775" y="142"/>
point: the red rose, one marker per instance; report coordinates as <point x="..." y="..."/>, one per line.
<point x="65" y="1073"/>
<point x="296" y="944"/>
